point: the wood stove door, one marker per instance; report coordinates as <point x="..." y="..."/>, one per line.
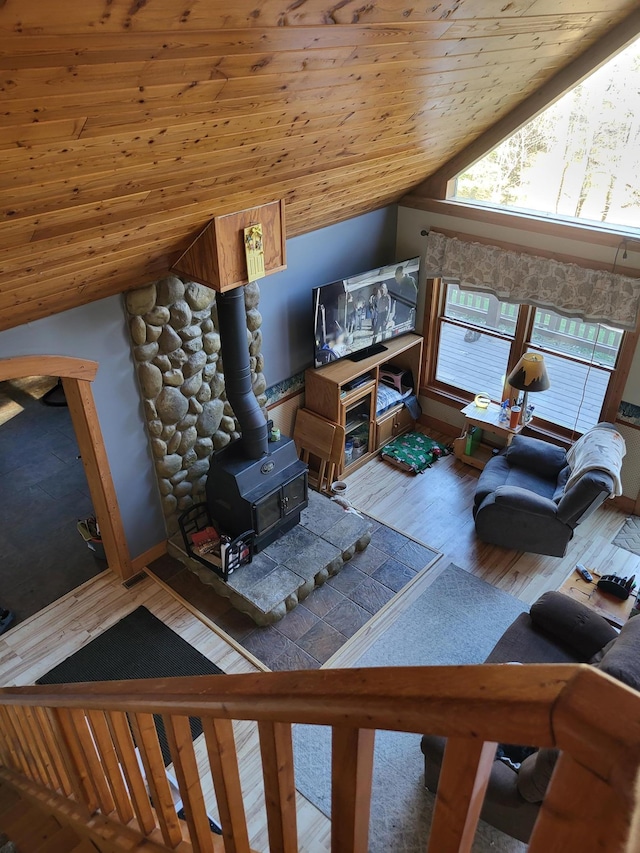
<point x="268" y="512"/>
<point x="276" y="507"/>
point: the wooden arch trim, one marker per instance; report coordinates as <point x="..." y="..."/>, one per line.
<point x="77" y="375"/>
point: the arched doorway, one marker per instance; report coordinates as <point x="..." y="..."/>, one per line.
<point x="77" y="375"/>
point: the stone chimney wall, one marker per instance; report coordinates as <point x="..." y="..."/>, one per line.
<point x="176" y="347"/>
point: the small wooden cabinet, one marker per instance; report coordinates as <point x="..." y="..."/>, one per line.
<point x="393" y="423"/>
<point x="345" y="392"/>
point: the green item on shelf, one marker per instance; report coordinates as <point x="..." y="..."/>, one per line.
<point x="413" y="452"/>
<point x="474" y="436"/>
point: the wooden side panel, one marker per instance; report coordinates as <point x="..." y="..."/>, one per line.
<point x="94" y="458"/>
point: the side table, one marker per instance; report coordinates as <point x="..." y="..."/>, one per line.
<point x="488" y="421"/>
<point x="616" y="612"/>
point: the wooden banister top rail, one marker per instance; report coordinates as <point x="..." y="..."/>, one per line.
<point x="509" y="703"/>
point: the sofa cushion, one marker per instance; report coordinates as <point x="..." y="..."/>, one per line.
<point x="497" y="472"/>
<point x="524" y="643"/>
<point x="622" y="659"/>
<point x="535" y="774"/>
<point x="572" y="624"/>
<point x="535" y="455"/>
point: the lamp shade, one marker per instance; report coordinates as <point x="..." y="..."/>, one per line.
<point x="529" y="374"/>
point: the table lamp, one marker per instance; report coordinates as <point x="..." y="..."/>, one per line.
<point x="529" y="374"/>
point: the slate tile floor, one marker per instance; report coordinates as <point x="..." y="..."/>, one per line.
<point x="43" y="492"/>
<point x="314" y="630"/>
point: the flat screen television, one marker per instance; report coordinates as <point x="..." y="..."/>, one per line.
<point x="354" y="316"/>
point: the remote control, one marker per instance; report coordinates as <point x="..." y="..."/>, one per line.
<point x="584" y="574"/>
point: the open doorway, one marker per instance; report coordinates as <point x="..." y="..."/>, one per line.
<point x="43" y="494"/>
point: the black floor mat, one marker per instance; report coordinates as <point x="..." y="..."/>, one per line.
<point x="138" y="646"/>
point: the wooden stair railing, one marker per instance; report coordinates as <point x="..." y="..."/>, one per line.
<point x="74" y="747"/>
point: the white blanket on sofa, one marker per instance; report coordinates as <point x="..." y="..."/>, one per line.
<point x="599" y="449"/>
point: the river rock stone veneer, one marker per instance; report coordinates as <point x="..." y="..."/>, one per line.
<point x="176" y="346"/>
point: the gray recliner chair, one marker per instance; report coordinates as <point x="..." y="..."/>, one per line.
<point x="521" y="501"/>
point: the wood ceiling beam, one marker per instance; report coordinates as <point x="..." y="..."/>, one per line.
<point x="435" y="186"/>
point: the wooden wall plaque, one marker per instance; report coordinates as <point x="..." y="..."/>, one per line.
<point x="217" y="255"/>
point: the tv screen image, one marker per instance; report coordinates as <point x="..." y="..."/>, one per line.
<point x="355" y="315"/>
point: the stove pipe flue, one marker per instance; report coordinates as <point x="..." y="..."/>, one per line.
<point x="237" y="373"/>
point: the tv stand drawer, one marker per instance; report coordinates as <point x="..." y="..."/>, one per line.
<point x="391" y="424"/>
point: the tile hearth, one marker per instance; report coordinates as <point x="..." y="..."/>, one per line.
<point x="314" y="630"/>
<point x="289" y="569"/>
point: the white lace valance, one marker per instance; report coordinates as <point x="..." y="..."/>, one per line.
<point x="595" y="296"/>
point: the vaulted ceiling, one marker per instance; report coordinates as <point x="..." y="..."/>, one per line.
<point x="128" y="124"/>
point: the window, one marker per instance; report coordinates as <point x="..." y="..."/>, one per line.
<point x="581" y="358"/>
<point x="479" y="339"/>
<point x="476" y="333"/>
<point x="575" y="160"/>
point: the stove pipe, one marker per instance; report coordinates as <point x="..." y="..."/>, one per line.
<point x="237" y="373"/>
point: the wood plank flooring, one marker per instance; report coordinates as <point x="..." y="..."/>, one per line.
<point x="435" y="507"/>
<point x="41" y="642"/>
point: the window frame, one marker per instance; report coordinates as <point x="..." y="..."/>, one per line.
<point x="436" y="293"/>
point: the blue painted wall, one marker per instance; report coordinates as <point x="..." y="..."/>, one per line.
<point x="98" y="332"/>
<point x="313" y="259"/>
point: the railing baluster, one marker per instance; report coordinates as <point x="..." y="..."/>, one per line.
<point x="279" y="785"/>
<point x="53" y="750"/>
<point x="35" y="739"/>
<point x="81" y="782"/>
<point x="188" y="776"/>
<point x="351" y="775"/>
<point x="125" y="750"/>
<point x="223" y="761"/>
<point x="582" y="812"/>
<point x="18" y="760"/>
<point x="461" y="788"/>
<point x="31" y="755"/>
<point x="144" y="732"/>
<point x="109" y="759"/>
<point x="92" y="760"/>
<point x="6" y="756"/>
<point x="17" y="717"/>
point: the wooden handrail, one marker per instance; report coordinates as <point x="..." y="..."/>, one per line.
<point x="86" y="734"/>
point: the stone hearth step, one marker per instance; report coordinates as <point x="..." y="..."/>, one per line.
<point x="285" y="572"/>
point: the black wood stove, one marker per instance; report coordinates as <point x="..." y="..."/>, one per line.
<point x="253" y="484"/>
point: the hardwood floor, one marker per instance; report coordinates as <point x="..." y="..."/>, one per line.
<point x="41" y="642"/>
<point x="435" y="507"/>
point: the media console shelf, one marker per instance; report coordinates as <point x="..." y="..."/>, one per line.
<point x="345" y="393"/>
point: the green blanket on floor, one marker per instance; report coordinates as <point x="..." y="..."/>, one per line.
<point x="413" y="452"/>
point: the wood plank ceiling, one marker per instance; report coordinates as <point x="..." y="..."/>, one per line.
<point x="128" y="124"/>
